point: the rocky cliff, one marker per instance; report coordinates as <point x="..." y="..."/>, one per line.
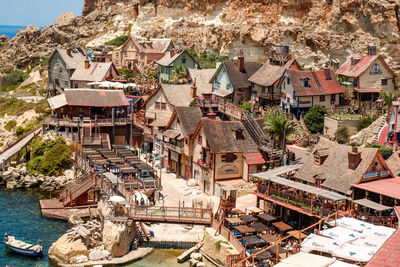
<point x="316" y="30"/>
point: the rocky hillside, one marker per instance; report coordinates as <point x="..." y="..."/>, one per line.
<point x="316" y="30"/>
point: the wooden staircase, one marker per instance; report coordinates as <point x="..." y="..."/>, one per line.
<point x="74" y="190"/>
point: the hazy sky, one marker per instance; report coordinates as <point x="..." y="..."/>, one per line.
<point x="36" y="12"/>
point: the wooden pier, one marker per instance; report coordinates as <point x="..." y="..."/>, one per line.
<point x="53" y="209"/>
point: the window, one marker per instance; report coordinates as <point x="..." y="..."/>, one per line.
<point x="316" y="160"/>
<point x="376" y="69"/>
<point x="200" y="140"/>
<point x="288" y="80"/>
<point x="294" y="96"/>
<point x="239" y="134"/>
<point x="66" y="83"/>
<point x="125" y="53"/>
<point x="116" y="62"/>
<point x="183" y="60"/>
<point x="77" y="85"/>
<point x="355" y="82"/>
<point x="270" y="90"/>
<point x="321" y="98"/>
<point x="158" y="105"/>
<point x="306" y="82"/>
<point x="163" y="106"/>
<point x="230" y="157"/>
<point x="117" y="54"/>
<point x="142" y="64"/>
<point x="384" y="81"/>
<point x="263" y="89"/>
<point x="60" y="70"/>
<point x="333" y="99"/>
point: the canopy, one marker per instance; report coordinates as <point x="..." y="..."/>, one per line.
<point x="351" y="223"/>
<point x="266" y="217"/>
<point x="370" y="242"/>
<point x="262" y="255"/>
<point x="269" y="238"/>
<point x="140" y="199"/>
<point x="248" y="218"/>
<point x="379" y="231"/>
<point x="260" y="227"/>
<point x="354" y="253"/>
<point x="296" y="234"/>
<point x="371" y="204"/>
<point x="111" y="177"/>
<point x="282" y="226"/>
<point x="255" y="209"/>
<point x="244" y="229"/>
<point x="342" y="264"/>
<point x="341" y="234"/>
<point x="253" y="240"/>
<point x="303" y="259"/>
<point x="117" y="199"/>
<point x="319" y="243"/>
<point x="233" y="220"/>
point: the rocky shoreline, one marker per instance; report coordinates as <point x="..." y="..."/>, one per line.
<point x="19" y="178"/>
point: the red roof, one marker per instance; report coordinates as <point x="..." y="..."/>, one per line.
<point x="389" y="254"/>
<point x="387" y="187"/>
<point x="318" y="84"/>
<point x="347" y="69"/>
<point x="254" y="158"/>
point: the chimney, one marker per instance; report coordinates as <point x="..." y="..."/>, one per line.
<point x="371" y="49"/>
<point x="240" y="63"/>
<point x="327" y="73"/>
<point x="87" y="63"/>
<point x="69" y="52"/>
<point x="354" y="158"/>
<point x="193" y="89"/>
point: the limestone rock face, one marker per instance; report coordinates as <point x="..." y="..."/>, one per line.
<point x="117" y="238"/>
<point x="65" y="249"/>
<point x="3" y="39"/>
<point x="65" y="19"/>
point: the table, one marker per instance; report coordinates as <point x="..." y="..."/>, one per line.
<point x="282" y="226"/>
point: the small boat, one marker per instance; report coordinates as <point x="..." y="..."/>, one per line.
<point x="23" y="247"/>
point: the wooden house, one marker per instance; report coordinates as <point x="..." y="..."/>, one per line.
<point x="173" y="59"/>
<point x="89" y="72"/>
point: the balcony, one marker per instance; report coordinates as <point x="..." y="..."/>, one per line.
<point x="85" y="122"/>
<point x="173" y="147"/>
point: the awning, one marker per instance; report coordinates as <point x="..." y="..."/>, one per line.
<point x="111" y="177"/>
<point x="254" y="158"/>
<point x="221" y="92"/>
<point x="234" y="220"/>
<point x="282" y="226"/>
<point x="367" y="90"/>
<point x="371" y="204"/>
<point x="159" y="123"/>
<point x="57" y="101"/>
<point x="172" y="134"/>
<point x="266" y="217"/>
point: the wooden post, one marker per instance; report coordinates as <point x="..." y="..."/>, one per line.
<point x="277" y="253"/>
<point x="269" y="185"/>
<point x="319" y="227"/>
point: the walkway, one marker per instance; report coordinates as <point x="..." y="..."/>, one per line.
<point x="18" y="145"/>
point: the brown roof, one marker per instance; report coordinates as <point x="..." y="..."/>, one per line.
<point x="71" y="61"/>
<point x="189" y="117"/>
<point x="335" y="170"/>
<point x="268" y="74"/>
<point x="97" y="72"/>
<point x="238" y="79"/>
<point x="394" y="163"/>
<point x="178" y="95"/>
<point x="95" y="97"/>
<point x="318" y="84"/>
<point x="156" y="46"/>
<point x="167" y="59"/>
<point x="221" y="137"/>
<point x="202" y="76"/>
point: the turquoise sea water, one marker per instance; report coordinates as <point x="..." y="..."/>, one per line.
<point x="10" y="30"/>
<point x="20" y="216"/>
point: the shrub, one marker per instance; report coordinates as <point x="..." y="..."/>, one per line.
<point x="245" y="107"/>
<point x="10" y="125"/>
<point x="19" y="131"/>
<point x="206" y="59"/>
<point x="342" y="134"/>
<point x="314" y="118"/>
<point x="385" y="150"/>
<point x="366" y="121"/>
<point x="120" y="40"/>
<point x="13" y="78"/>
<point x="49" y="157"/>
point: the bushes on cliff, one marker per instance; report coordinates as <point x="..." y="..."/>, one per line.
<point x="12" y="79"/>
<point x="49" y="157"/>
<point x="120" y="40"/>
<point x="207" y="60"/>
<point x="386" y="151"/>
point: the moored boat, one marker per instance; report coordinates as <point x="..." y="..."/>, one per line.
<point x="23" y="247"/>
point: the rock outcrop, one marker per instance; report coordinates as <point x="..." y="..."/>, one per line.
<point x="117" y="238"/>
<point x="65" y="249"/>
<point x="316" y="30"/>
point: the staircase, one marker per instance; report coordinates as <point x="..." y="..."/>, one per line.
<point x="105" y="141"/>
<point x="254" y="130"/>
<point x="72" y="191"/>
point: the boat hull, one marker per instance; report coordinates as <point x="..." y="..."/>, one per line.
<point x="25" y="252"/>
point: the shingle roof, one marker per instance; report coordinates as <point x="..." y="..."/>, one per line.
<point x="178" y="95"/>
<point x="189" y="118"/>
<point x="364" y="62"/>
<point x="335" y="168"/>
<point x="268" y="74"/>
<point x="167" y="59"/>
<point x="95" y="97"/>
<point x="202" y="76"/>
<point x="394" y="163"/>
<point x="73" y="61"/>
<point x="241" y="79"/>
<point x="97" y="72"/>
<point x="221" y="137"/>
<point x="318" y="84"/>
<point x="157" y="46"/>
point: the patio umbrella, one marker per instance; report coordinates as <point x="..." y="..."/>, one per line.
<point x="117" y="199"/>
<point x="94" y="83"/>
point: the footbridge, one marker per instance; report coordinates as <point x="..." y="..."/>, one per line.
<point x="17" y="146"/>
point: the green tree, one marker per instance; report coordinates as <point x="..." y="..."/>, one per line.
<point x="389" y="97"/>
<point x="120" y="40"/>
<point x="366" y="121"/>
<point x="278" y="123"/>
<point x="386" y="151"/>
<point x="127" y="74"/>
<point x="314" y="118"/>
<point x="342" y="134"/>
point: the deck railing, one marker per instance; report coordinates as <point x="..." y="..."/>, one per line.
<point x="228" y="235"/>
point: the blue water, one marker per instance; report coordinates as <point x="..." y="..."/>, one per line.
<point x="20" y="217"/>
<point x="9" y="30"/>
